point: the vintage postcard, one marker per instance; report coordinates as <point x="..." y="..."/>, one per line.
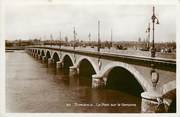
<point x="90" y="57"/>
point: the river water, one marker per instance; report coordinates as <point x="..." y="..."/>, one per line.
<point x="33" y="86"/>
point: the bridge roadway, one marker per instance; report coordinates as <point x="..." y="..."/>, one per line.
<point x="104" y="62"/>
<point x="112" y="50"/>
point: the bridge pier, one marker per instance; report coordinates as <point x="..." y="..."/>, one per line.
<point x="33" y="54"/>
<point x="36" y="55"/>
<point x="59" y="65"/>
<point x="43" y="59"/>
<point x="50" y="61"/>
<point x="152" y="102"/>
<point x="73" y="70"/>
<point x="98" y="81"/>
<point x="39" y="57"/>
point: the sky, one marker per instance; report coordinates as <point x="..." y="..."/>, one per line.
<point x="127" y="22"/>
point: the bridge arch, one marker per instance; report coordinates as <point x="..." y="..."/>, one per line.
<point x="170" y="100"/>
<point x="172" y="107"/>
<point x="42" y="53"/>
<point x="168" y="88"/>
<point x="67" y="61"/>
<point x="124" y="70"/>
<point x="39" y="52"/>
<point x="86" y="67"/>
<point x="64" y="55"/>
<point x="94" y="65"/>
<point x="169" y="94"/>
<point x="48" y="55"/>
<point x="35" y="51"/>
<point x="55" y="57"/>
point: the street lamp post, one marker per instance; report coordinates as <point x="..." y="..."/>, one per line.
<point x="154" y="18"/>
<point x="99" y="36"/>
<point x="74" y="38"/>
<point x="60" y="40"/>
<point x="51" y="39"/>
<point x="89" y="39"/>
<point x="111" y="40"/>
<point x="148" y="36"/>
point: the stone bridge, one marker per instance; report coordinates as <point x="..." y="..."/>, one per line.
<point x="133" y="73"/>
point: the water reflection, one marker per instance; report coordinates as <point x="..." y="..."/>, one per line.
<point x="54" y="91"/>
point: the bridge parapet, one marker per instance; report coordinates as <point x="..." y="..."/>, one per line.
<point x="160" y="63"/>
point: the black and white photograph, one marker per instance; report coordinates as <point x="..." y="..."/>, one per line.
<point x="90" y="57"/>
